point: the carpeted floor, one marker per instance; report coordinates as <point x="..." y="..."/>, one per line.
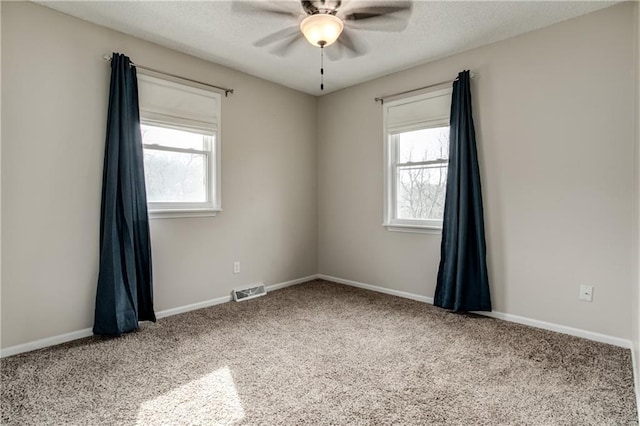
<point x="323" y="353"/>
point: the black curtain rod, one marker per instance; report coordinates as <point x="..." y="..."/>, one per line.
<point x="382" y="98"/>
<point x="225" y="89"/>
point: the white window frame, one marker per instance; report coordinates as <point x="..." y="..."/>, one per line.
<point x="391" y="165"/>
<point x="212" y="205"/>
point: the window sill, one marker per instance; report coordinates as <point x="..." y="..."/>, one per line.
<point x="414" y="229"/>
<point x="177" y="214"/>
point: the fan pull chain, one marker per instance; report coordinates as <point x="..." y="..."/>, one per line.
<point x="322" y="67"/>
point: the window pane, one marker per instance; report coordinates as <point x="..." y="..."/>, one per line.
<point x="152" y="135"/>
<point x="175" y="176"/>
<point x="423" y="145"/>
<point x="420" y="192"/>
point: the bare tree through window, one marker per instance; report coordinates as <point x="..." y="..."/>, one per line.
<point x="422" y="173"/>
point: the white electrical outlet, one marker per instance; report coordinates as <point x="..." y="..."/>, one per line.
<point x="586" y="293"/>
<point x="236" y="267"/>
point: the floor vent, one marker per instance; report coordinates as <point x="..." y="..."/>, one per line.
<point x="256" y="290"/>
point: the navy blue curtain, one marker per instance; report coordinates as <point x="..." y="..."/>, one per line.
<point x="463" y="284"/>
<point x="125" y="290"/>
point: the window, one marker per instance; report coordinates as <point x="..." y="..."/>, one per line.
<point x="416" y="159"/>
<point x="180" y="138"/>
<point x="177" y="166"/>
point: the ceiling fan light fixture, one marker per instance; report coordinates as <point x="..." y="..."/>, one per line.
<point x="321" y="29"/>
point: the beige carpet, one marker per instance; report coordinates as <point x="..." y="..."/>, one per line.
<point x="322" y="353"/>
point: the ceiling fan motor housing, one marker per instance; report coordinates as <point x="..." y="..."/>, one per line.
<point x="329" y="7"/>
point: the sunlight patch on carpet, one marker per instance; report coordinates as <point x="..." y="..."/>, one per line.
<point x="212" y="399"/>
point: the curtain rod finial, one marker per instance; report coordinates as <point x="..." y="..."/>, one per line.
<point x="107" y="57"/>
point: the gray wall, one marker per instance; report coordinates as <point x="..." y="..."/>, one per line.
<point x="554" y="114"/>
<point x="555" y="120"/>
<point x="636" y="293"/>
<point x="0" y="169"/>
<point x="54" y="100"/>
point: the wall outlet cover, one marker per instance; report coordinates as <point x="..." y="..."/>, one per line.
<point x="586" y="293"/>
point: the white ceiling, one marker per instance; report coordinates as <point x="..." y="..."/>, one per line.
<point x="224" y="32"/>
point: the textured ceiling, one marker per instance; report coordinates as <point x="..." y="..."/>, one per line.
<point x="224" y="32"/>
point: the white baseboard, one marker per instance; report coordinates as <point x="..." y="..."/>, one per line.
<point x="377" y="289"/>
<point x="74" y="335"/>
<point x="590" y="335"/>
<point x="603" y="338"/>
<point x="192" y="307"/>
<point x="48" y="341"/>
<point x="63" y="338"/>
<point x="273" y="287"/>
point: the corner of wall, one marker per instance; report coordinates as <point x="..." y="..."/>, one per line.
<point x="317" y="136"/>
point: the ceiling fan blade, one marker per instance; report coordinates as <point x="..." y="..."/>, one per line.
<point x="350" y="44"/>
<point x="387" y="23"/>
<point x="275" y="8"/>
<point x="380" y="18"/>
<point x="375" y="11"/>
<point x="277" y="36"/>
<point x="283" y="48"/>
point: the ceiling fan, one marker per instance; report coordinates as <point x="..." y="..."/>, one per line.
<point x="329" y="22"/>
